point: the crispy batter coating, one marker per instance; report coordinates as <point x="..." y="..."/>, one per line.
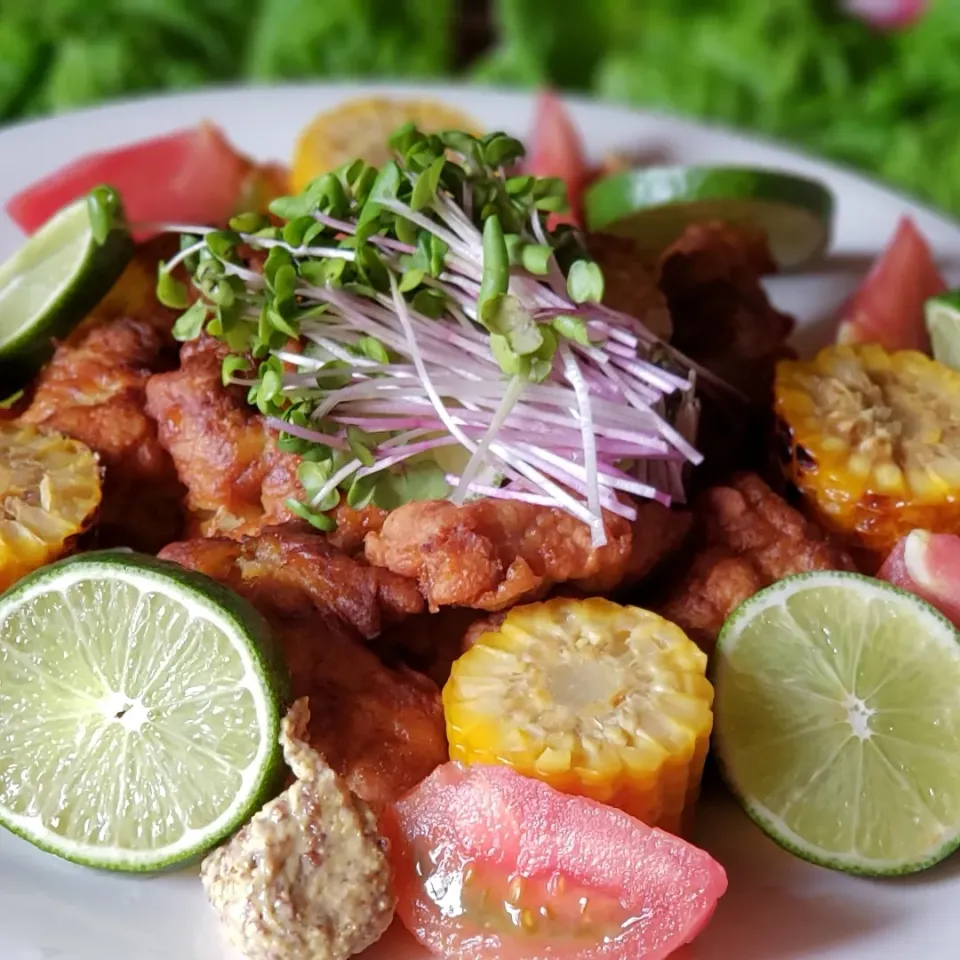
<point x="630" y="282"/>
<point x="93" y="389"/>
<point x="722" y="317"/>
<point x="236" y="479"/>
<point x="748" y="538"/>
<point x="380" y="729"/>
<point x="307" y="878"/>
<point x="490" y="554"/>
<point x="354" y="525"/>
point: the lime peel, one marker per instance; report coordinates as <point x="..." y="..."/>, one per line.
<point x="190" y="765"/>
<point x="819" y="680"/>
<point x="942" y="317"/>
<point x="57" y="277"/>
<point x="653" y="206"/>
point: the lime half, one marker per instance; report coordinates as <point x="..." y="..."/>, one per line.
<point x="654" y="205"/>
<point x="57" y="277"/>
<point x="838" y="722"/>
<point x="140" y="711"/>
<point x="942" y="314"/>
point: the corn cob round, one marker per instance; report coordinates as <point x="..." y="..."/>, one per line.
<point x="594" y="698"/>
<point x="872" y="444"/>
<point x="50" y="487"/>
<point x="361" y="128"/>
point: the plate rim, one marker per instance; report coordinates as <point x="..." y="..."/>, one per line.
<point x="33" y="126"/>
<point x="775" y="868"/>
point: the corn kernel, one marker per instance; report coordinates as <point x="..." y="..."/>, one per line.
<point x="614" y="699"/>
<point x="883" y="432"/>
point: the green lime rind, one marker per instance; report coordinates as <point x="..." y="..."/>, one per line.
<point x="654" y="205"/>
<point x="837" y="725"/>
<point x="942" y="317"/>
<point x="264" y="676"/>
<point x="57" y="277"/>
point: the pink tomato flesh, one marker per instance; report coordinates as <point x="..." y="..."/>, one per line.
<point x="489" y="863"/>
<point x="887" y="14"/>
<point x="888" y="307"/>
<point x="192" y="176"/>
<point x="928" y="564"/>
<point x="556" y="150"/>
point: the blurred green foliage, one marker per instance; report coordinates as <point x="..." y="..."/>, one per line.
<point x="796" y="69"/>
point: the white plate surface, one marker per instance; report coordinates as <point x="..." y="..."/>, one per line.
<point x="777" y="907"/>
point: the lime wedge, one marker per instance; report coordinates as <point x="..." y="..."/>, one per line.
<point x="942" y="314"/>
<point x="654" y="205"/>
<point x="57" y="277"/>
<point x="838" y="722"/>
<point x="140" y="707"/>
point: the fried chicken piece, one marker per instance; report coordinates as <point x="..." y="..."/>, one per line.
<point x="722" y="317"/>
<point x="354" y="525"/>
<point x="307" y="878"/>
<point x="430" y="642"/>
<point x="748" y="538"/>
<point x="93" y="389"/>
<point x="287" y="572"/>
<point x="382" y="730"/>
<point x="490" y="554"/>
<point x="630" y="283"/>
<point x="237" y="480"/>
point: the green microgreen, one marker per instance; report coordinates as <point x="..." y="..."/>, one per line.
<point x="382" y="304"/>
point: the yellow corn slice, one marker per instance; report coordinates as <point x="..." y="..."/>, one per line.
<point x="873" y="443"/>
<point x="594" y="698"/>
<point x="360" y="129"/>
<point x="50" y="487"/>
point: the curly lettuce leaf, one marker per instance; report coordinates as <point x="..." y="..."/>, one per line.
<point x="322" y="38"/>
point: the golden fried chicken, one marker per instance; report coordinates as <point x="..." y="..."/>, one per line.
<point x="430" y="642"/>
<point x="748" y="538"/>
<point x="490" y="554"/>
<point x="630" y="283"/>
<point x="722" y="317"/>
<point x="381" y="729"/>
<point x="237" y="480"/>
<point x="93" y="389"/>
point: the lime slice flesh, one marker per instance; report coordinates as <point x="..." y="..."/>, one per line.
<point x="654" y="205"/>
<point x="942" y="314"/>
<point x="140" y="707"/>
<point x="838" y="722"/>
<point x="52" y="282"/>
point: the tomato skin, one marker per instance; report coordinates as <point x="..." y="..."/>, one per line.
<point x="556" y="150"/>
<point x="190" y="176"/>
<point x="495" y="821"/>
<point x="887" y="14"/>
<point x="927" y="564"/>
<point x="888" y="307"/>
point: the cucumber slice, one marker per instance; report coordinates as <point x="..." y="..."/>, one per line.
<point x="654" y="205"/>
<point x="942" y="315"/>
<point x="837" y="724"/>
<point x="140" y="705"/>
<point x="56" y="278"/>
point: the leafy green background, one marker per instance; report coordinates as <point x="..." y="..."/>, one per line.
<point x="797" y="69"/>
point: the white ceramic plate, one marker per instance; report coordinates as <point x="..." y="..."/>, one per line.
<point x="777" y="907"/>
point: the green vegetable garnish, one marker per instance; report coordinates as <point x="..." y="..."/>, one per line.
<point x="423" y="314"/>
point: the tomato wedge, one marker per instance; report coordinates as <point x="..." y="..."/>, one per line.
<point x="489" y="863"/>
<point x="927" y="564"/>
<point x="191" y="176"/>
<point x="887" y="14"/>
<point x="888" y="307"/>
<point x="556" y="150"/>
